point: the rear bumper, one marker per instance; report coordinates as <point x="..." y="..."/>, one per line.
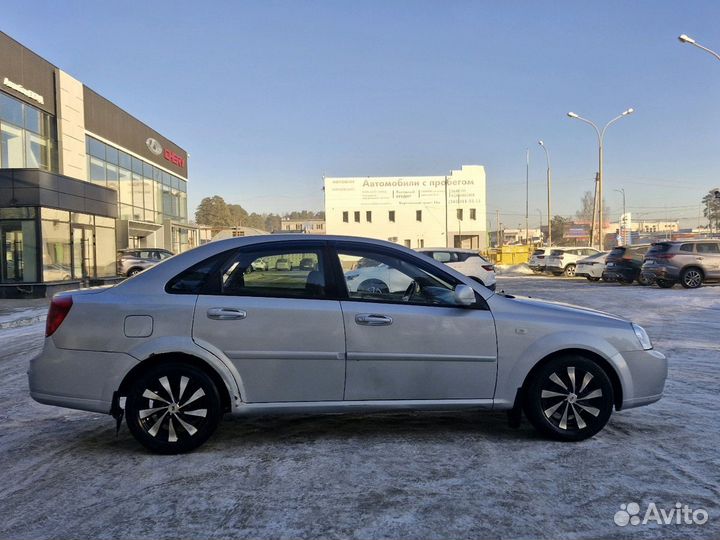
<point x="669" y="273"/>
<point x="84" y="380"/>
<point x="618" y="272"/>
<point x="553" y="268"/>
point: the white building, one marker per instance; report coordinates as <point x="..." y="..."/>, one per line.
<point x="415" y="211"/>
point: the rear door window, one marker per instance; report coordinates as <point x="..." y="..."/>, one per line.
<point x="708" y="248"/>
<point x="687" y="248"/>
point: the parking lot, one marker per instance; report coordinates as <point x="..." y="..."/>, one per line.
<point x="423" y="475"/>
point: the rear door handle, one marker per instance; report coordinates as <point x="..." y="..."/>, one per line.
<point x="373" y="319"/>
<point x="226" y="314"/>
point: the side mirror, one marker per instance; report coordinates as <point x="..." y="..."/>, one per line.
<point x="464" y="295"/>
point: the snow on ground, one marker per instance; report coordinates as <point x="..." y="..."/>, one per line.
<point x="64" y="474"/>
<point x="513" y="269"/>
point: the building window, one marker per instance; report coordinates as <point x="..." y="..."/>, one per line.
<point x="418" y="216"/>
<point x="346" y="217"/>
<point x="368" y="216"/>
<point x="407" y="243"/>
<point x="357" y="217"/>
<point x="391" y="217"/>
<point x="27" y="136"/>
<point x="393" y="239"/>
<point x="421" y="243"/>
<point x="459" y="214"/>
<point x="473" y="213"/>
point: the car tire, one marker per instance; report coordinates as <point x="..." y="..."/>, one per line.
<point x="373" y="286"/>
<point x="643" y="281"/>
<point x="569" y="270"/>
<point x="134" y="271"/>
<point x="165" y="425"/>
<point x="570" y="398"/>
<point x="593" y="279"/>
<point x="664" y="283"/>
<point x="691" y="278"/>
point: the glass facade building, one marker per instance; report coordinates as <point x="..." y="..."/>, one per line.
<point x="145" y="192"/>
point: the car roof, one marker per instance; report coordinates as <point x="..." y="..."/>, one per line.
<point x="451" y="249"/>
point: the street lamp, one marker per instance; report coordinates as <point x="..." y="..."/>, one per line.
<point x="686" y="39"/>
<point x="601" y="137"/>
<point x="549" y="213"/>
<point x="624" y="217"/>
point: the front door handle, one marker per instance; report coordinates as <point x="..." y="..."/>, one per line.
<point x="226" y="314"/>
<point x="372" y="319"/>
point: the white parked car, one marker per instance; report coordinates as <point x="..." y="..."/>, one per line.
<point x="538" y="259"/>
<point x="591" y="267"/>
<point x="177" y="346"/>
<point x="564" y="260"/>
<point x="465" y="261"/>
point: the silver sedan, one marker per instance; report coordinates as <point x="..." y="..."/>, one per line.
<point x="202" y="334"/>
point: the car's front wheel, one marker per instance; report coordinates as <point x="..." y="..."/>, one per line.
<point x="173" y="408"/>
<point x="569" y="270"/>
<point x="591" y="278"/>
<point x="570" y="398"/>
<point x="664" y="283"/>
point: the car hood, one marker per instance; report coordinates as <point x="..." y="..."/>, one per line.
<point x="559" y="308"/>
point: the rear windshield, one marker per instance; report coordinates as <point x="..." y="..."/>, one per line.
<point x="556" y="252"/>
<point x="659" y="248"/>
<point x="617" y="252"/>
<point x="539" y="252"/>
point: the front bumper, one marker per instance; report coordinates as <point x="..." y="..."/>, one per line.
<point x="647" y="372"/>
<point x="84" y="380"/>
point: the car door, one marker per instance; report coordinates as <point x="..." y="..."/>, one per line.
<point x="410" y="340"/>
<point x="281" y="328"/>
<point x="708" y="256"/>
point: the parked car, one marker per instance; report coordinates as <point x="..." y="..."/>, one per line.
<point x="191" y="339"/>
<point x="282" y="264"/>
<point x="134" y="260"/>
<point x="260" y="265"/>
<point x="623" y="264"/>
<point x="564" y="260"/>
<point x="689" y="263"/>
<point x="465" y="261"/>
<point x="538" y="258"/>
<point x="591" y="267"/>
<point x="307" y="264"/>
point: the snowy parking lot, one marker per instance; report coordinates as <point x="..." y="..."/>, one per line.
<point x="424" y="475"/>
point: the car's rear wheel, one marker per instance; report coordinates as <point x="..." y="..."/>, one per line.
<point x="134" y="271"/>
<point x="664" y="283"/>
<point x="643" y="280"/>
<point x="570" y="270"/>
<point x="373" y="286"/>
<point x="691" y="278"/>
<point x="570" y="398"/>
<point x="590" y="278"/>
<point x="173" y="408"/>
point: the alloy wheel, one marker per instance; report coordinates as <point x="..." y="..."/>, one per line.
<point x="173" y="408"/>
<point x="692" y="278"/>
<point x="568" y="398"/>
<point x="168" y="418"/>
<point x="570" y="270"/>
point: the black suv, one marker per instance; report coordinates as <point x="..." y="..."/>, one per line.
<point x="624" y="263"/>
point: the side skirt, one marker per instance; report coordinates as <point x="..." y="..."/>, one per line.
<point x="312" y="407"/>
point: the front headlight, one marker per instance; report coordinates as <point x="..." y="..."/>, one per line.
<point x="642" y="336"/>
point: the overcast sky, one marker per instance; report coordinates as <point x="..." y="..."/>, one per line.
<point x="269" y="96"/>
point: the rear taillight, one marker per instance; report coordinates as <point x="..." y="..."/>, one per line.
<point x="664" y="256"/>
<point x="59" y="308"/>
<point x="489" y="267"/>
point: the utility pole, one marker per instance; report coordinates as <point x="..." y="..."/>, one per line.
<point x="549" y="210"/>
<point x="527" y="194"/>
<point x="447" y="238"/>
<point x="498" y="241"/>
<point x="594" y="211"/>
<point x="624" y="218"/>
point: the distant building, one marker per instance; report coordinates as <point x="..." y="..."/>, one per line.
<point x="414" y="211"/>
<point x="307" y="226"/>
<point x="236" y="232"/>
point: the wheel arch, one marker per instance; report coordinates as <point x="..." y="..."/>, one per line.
<point x="590" y="355"/>
<point x="183" y="358"/>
